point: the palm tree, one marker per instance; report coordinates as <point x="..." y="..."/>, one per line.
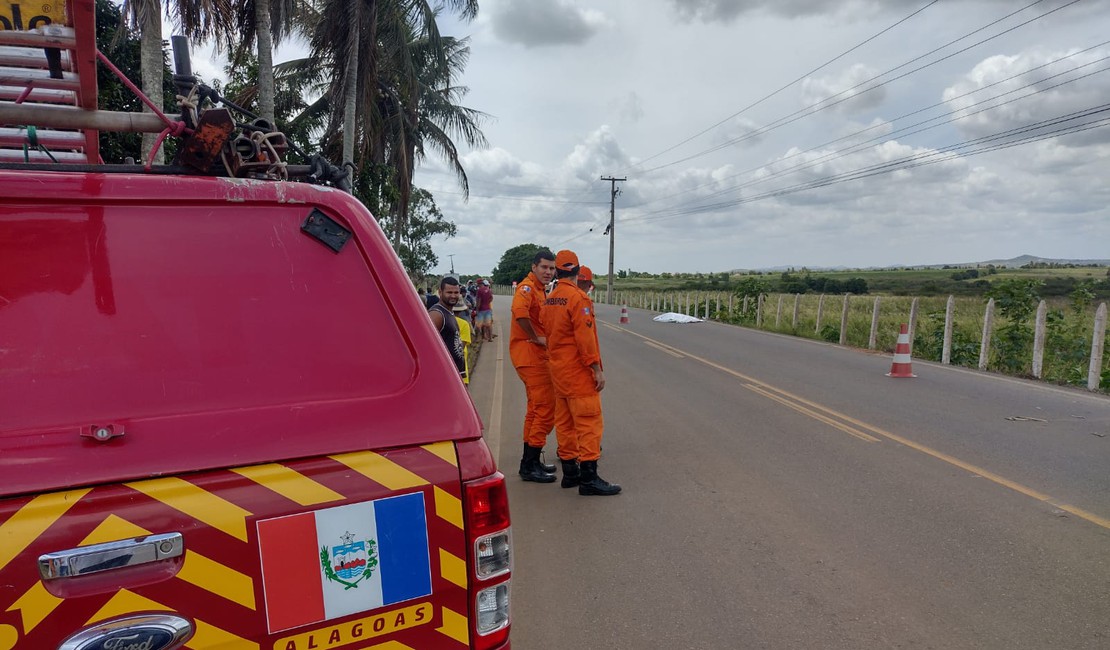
<point x="386" y="58"/>
<point x="262" y="23"/>
<point x="431" y="117"/>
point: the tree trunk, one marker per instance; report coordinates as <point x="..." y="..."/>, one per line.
<point x="350" y="98"/>
<point x="351" y="94"/>
<point x="151" y="64"/>
<point x="265" y="42"/>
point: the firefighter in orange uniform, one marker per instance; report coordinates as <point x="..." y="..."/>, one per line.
<point x="528" y="351"/>
<point x="567" y="317"/>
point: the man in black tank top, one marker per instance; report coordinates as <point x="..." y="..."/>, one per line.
<point x="443" y="318"/>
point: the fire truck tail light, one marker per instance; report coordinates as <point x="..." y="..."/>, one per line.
<point x="494" y="555"/>
<point x="491" y="609"/>
<point x="486" y="506"/>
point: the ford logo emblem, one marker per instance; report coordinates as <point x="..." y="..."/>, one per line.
<point x="141" y="632"/>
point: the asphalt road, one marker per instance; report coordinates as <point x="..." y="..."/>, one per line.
<point x="781" y="493"/>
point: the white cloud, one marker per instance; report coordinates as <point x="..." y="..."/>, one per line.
<point x="1031" y="88"/>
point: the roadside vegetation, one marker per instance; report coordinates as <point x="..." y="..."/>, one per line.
<point x="800" y="311"/>
<point x="1056" y="281"/>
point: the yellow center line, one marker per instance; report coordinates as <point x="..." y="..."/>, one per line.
<point x="813" y="414"/>
<point x="765" y="389"/>
<point x="664" y="349"/>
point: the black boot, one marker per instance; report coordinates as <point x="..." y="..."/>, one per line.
<point x="530" y="469"/>
<point x="590" y="484"/>
<point x="570" y="473"/>
<point x="547" y="467"/>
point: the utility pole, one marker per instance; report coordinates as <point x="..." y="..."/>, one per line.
<point x="613" y="192"/>
<point x="452" y="256"/>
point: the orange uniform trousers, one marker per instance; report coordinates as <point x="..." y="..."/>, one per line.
<point x="581" y="417"/>
<point x="540" y="415"/>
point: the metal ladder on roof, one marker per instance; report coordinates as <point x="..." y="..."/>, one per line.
<point x="49" y="70"/>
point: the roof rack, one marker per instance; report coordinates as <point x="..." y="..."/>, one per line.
<point x="49" y="115"/>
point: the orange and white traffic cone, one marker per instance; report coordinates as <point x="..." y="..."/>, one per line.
<point x="624" y="314"/>
<point x="902" y="365"/>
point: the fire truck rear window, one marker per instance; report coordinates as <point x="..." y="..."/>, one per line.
<point x="127" y="312"/>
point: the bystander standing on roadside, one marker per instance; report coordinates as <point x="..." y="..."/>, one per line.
<point x="484" y="321"/>
<point x="443" y="318"/>
<point x="567" y="317"/>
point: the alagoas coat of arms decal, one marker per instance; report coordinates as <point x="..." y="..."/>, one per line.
<point x="351" y="562"/>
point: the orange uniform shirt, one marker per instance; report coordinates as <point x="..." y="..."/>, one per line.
<point x="572" y="347"/>
<point x="527" y="301"/>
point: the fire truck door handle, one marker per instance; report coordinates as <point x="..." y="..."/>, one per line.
<point x="86" y="560"/>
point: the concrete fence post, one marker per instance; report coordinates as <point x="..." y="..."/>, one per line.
<point x="820" y="306"/>
<point x="794" y="320"/>
<point x="913" y="321"/>
<point x="949" y="312"/>
<point x="744" y="307"/>
<point x="687" y="312"/>
<point x="985" y="342"/>
<point x="718" y="314"/>
<point x="759" y="311"/>
<point x="707" y="306"/>
<point x="1038" y="339"/>
<point x="778" y="313"/>
<point x="730" y="297"/>
<point x="1098" y="342"/>
<point x="844" y="322"/>
<point x="873" y="338"/>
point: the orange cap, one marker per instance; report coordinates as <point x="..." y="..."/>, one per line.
<point x="566" y="260"/>
<point x="585" y="274"/>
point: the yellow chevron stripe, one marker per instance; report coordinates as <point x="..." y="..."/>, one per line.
<point x="452" y="568"/>
<point x="221" y="580"/>
<point x="197" y="503"/>
<point x="454" y="626"/>
<point x="210" y="636"/>
<point x="289" y="483"/>
<point x="8" y="636"/>
<point x="445" y="450"/>
<point x="32" y="520"/>
<point x="207" y="636"/>
<point x="390" y="645"/>
<point x="34" y="606"/>
<point x="449" y="508"/>
<point x="380" y="469"/>
<point x="113" y="529"/>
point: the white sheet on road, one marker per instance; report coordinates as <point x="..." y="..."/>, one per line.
<point x="672" y="317"/>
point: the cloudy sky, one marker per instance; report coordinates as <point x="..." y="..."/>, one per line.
<point x="763" y="133"/>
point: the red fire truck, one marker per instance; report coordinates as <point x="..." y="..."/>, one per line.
<point x="225" y="419"/>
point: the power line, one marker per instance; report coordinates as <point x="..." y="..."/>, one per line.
<point x="905" y="115"/>
<point x="1033" y="132"/>
<point x="772" y="94"/>
<point x="819" y="106"/>
<point x="964" y="114"/>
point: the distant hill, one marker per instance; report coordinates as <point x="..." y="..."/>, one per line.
<point x="1022" y="260"/>
<point x="1012" y="263"/>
